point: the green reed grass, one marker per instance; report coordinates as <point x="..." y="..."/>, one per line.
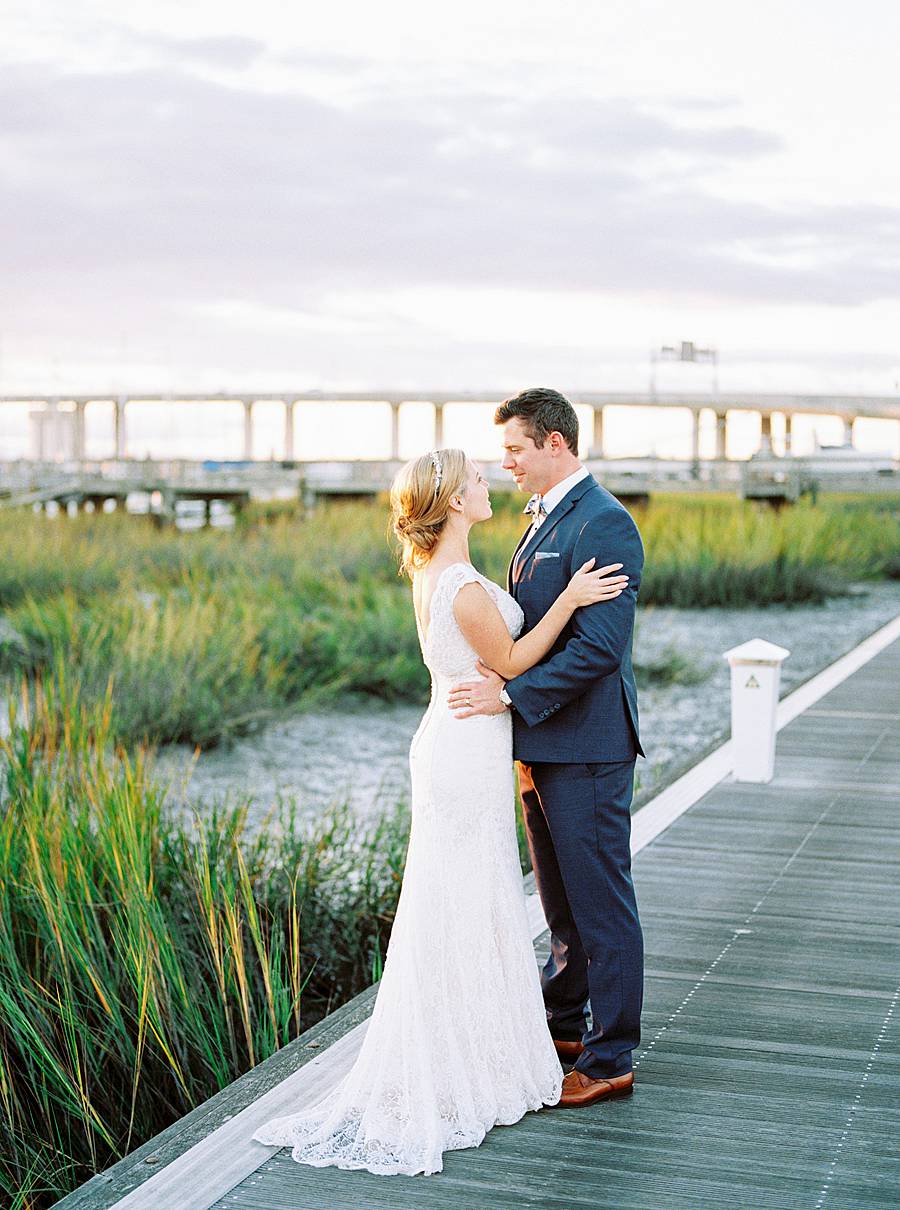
<point x="145" y="963"/>
<point x="206" y="635"/>
<point x="722" y="552"/>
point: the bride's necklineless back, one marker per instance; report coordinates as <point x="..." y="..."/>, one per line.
<point x="423" y="621"/>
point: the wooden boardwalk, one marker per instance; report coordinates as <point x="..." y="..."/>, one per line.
<point x="768" y="1074"/>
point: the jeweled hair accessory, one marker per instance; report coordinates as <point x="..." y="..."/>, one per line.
<point x="438" y="469"/>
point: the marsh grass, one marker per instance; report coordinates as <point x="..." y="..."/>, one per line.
<point x="146" y="963"/>
<point x="207" y="635"/>
<point x="721" y="552"/>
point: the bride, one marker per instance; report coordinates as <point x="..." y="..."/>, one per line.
<point x="458" y="1039"/>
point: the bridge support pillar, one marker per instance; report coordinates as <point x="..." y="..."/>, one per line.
<point x="42" y="431"/>
<point x="721" y="433"/>
<point x="765" y="436"/>
<point x="438" y="426"/>
<point x="597" y="435"/>
<point x="289" y="405"/>
<point x="248" y="429"/>
<point x="788" y="433"/>
<point x="121" y="440"/>
<point x="395" y="431"/>
<point x="78" y="435"/>
<point x="848" y="431"/>
<point x="695" y="436"/>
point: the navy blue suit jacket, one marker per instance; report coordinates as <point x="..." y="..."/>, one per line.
<point x="579" y="704"/>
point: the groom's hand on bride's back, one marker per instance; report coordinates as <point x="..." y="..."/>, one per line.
<point x="477" y="697"/>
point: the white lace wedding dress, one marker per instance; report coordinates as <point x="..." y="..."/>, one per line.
<point x="458" y="1039"/>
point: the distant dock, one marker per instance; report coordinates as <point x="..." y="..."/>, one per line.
<point x="165" y="485"/>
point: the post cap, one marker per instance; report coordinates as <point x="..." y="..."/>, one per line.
<point x="757" y="651"/>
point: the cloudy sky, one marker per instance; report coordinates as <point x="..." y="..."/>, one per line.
<point x="220" y="196"/>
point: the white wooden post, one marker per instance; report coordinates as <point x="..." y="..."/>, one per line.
<point x="755" y="675"/>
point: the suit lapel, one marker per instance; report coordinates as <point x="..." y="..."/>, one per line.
<point x="529" y="544"/>
<point x="540" y="535"/>
<point x="510" y="580"/>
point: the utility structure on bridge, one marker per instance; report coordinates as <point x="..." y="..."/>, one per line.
<point x="50" y="410"/>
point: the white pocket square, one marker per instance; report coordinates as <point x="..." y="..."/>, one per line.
<point x="546" y="554"/>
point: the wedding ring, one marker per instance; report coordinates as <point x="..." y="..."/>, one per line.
<point x="469" y="703"/>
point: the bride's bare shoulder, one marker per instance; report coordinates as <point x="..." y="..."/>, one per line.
<point x="432" y="572"/>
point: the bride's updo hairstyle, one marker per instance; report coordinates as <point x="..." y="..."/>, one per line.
<point x="420" y="503"/>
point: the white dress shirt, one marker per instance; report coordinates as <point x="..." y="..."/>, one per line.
<point x="551" y="498"/>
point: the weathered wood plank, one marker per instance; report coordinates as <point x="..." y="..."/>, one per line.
<point x="771" y="966"/>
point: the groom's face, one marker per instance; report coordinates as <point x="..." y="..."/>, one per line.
<point x="532" y="468"/>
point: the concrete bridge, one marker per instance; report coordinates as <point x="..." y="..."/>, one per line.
<point x="54" y="414"/>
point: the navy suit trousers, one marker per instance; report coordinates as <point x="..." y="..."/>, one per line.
<point x="578" y="821"/>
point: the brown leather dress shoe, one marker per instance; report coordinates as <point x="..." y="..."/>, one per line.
<point x="567" y="1051"/>
<point x="579" y="1089"/>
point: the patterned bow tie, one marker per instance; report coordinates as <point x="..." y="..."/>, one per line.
<point x="536" y="509"/>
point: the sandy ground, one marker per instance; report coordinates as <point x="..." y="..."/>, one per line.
<point x="359" y="752"/>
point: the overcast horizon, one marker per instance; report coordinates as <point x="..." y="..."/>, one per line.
<point x="203" y="199"/>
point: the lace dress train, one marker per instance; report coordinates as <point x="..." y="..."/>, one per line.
<point x="458" y="1039"/>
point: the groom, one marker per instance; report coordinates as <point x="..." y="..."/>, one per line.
<point x="575" y="729"/>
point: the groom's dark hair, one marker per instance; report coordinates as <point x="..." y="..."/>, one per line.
<point x="542" y="411"/>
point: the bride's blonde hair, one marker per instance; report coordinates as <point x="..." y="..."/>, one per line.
<point x="420" y="503"/>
